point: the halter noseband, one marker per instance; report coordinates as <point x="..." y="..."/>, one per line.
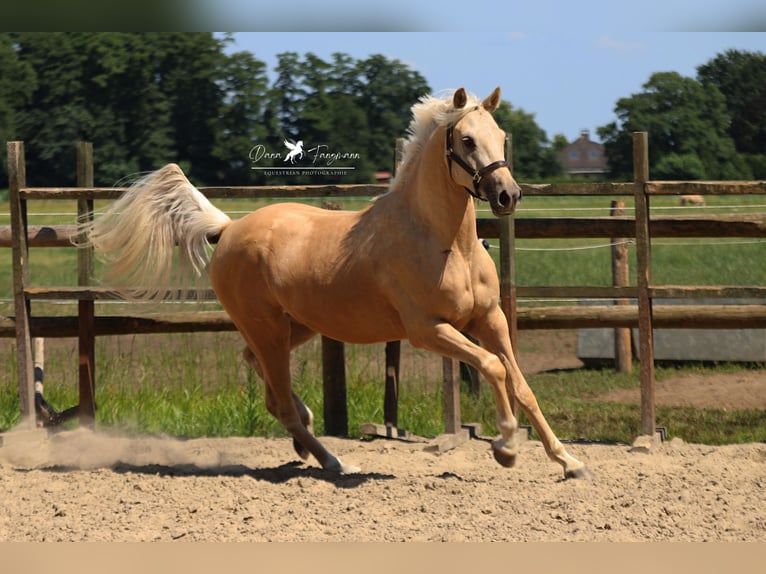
<point x="476" y="174"/>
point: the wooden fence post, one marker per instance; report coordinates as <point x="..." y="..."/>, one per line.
<point x="393" y="348"/>
<point x="644" y="280"/>
<point x="334" y="407"/>
<point x="391" y="396"/>
<point x="451" y="392"/>
<point x="622" y="347"/>
<point x="334" y="387"/>
<point x="508" y="270"/>
<point x="508" y="263"/>
<point x="17" y="179"/>
<point x="86" y="307"/>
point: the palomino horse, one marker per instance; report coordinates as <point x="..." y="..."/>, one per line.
<point x="410" y="266"/>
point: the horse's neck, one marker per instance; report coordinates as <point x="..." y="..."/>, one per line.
<point x="434" y="198"/>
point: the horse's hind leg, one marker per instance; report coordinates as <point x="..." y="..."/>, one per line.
<point x="307" y="417"/>
<point x="273" y="356"/>
<point x="299" y="334"/>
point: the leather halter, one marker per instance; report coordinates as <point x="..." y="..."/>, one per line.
<point x="476" y="174"/>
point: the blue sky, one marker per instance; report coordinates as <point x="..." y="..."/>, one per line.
<point x="569" y="79"/>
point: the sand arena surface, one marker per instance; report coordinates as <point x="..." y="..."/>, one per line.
<point x="84" y="486"/>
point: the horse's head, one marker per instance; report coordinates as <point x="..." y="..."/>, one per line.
<point x="477" y="145"/>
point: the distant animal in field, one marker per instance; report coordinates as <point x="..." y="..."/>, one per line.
<point x="692" y="200"/>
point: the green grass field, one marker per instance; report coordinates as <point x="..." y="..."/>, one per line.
<point x="196" y="384"/>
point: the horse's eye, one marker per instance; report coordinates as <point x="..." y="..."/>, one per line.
<point x="468" y="142"/>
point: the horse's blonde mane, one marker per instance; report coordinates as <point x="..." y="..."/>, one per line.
<point x="429" y="113"/>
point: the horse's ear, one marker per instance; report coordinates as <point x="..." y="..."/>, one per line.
<point x="459" y="99"/>
<point x="492" y="101"/>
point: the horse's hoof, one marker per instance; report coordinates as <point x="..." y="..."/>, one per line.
<point x="302" y="451"/>
<point x="335" y="465"/>
<point x="581" y="472"/>
<point x="349" y="469"/>
<point x="505" y="459"/>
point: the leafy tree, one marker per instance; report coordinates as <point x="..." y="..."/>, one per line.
<point x="17" y="82"/>
<point x="56" y="115"/>
<point x="345" y="76"/>
<point x="681" y="167"/>
<point x="189" y="74"/>
<point x="142" y="99"/>
<point x="560" y="141"/>
<point x="682" y="118"/>
<point x="741" y="77"/>
<point x="145" y="99"/>
<point x="533" y="156"/>
<point x="390" y="89"/>
<point x="347" y="105"/>
<point x="288" y="95"/>
<point x="244" y="86"/>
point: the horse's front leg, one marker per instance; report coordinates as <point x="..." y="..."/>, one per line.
<point x="493" y="334"/>
<point x="444" y="339"/>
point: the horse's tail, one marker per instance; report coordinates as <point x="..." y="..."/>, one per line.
<point x="139" y="232"/>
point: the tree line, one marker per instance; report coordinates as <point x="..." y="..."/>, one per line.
<point x="709" y="127"/>
<point x="145" y="99"/>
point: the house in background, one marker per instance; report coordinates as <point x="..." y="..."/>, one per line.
<point x="584" y="157"/>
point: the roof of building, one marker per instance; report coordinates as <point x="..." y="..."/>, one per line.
<point x="583" y="156"/>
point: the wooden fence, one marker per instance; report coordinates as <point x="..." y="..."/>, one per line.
<point x="644" y="315"/>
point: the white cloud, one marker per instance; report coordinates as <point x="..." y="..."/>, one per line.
<point x="614" y="45"/>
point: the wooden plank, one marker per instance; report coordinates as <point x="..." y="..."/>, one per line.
<point x="577" y="292"/>
<point x="448" y="441"/>
<point x="393" y="348"/>
<point x="665" y="226"/>
<point x="451" y="394"/>
<point x="72" y="192"/>
<point x="85" y="255"/>
<point x="94" y="293"/>
<point x="391" y="395"/>
<point x="550" y="317"/>
<point x="369" y="190"/>
<point x="644" y="280"/>
<point x="86" y="312"/>
<point x="664" y="317"/>
<point x="41" y="235"/>
<point x="623" y="358"/>
<point x="20" y="256"/>
<point x="334" y="387"/>
<point x="390" y="431"/>
<point x="295" y="191"/>
<point x="705" y="187"/>
<point x="722" y="225"/>
<point x="708" y="292"/>
<point x="180" y="322"/>
<point x="508" y="280"/>
<point x="87" y="362"/>
<point x="568" y="227"/>
<point x="220" y="192"/>
<point x="574" y="189"/>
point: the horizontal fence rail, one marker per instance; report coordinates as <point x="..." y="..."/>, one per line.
<point x="751" y="225"/>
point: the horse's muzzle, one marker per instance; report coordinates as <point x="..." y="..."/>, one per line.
<point x="503" y="202"/>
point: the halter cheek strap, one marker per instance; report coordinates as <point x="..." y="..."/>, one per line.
<point x="476" y="174"/>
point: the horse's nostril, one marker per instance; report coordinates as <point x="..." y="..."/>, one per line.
<point x="504" y="199"/>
